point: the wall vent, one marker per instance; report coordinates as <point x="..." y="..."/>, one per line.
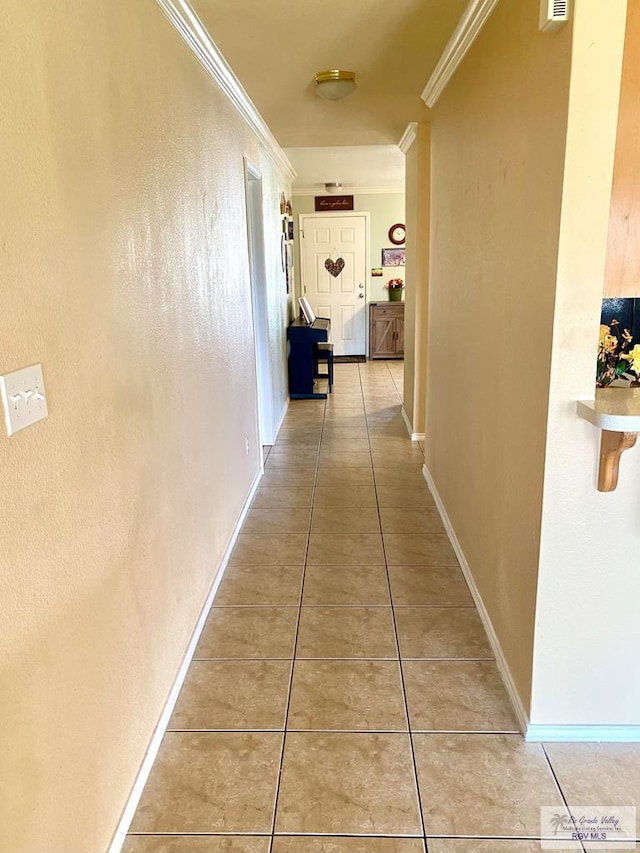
<point x="553" y="14"/>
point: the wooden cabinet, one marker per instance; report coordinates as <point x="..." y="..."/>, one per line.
<point x="386" y="329"/>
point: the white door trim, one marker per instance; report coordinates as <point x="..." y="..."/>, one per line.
<point x="259" y="304"/>
<point x="329" y="214"/>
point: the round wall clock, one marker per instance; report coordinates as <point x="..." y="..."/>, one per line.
<point x="397" y="233"/>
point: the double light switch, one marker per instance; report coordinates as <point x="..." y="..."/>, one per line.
<point x="23" y="397"/>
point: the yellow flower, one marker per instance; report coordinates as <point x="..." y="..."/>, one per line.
<point x="608" y="344"/>
<point x="633" y="356"/>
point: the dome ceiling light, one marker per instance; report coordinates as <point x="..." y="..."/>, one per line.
<point x="335" y="85"/>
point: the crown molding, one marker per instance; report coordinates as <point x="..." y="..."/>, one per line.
<point x="408" y="137"/>
<point x="181" y="14"/>
<point x="298" y="191"/>
<point x="467" y="31"/>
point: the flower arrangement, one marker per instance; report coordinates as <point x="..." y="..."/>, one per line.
<point x="394" y="283"/>
<point x="616" y="358"/>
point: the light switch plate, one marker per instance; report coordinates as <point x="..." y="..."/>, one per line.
<point x="23" y="397"/>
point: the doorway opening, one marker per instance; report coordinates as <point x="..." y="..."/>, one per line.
<point x="259" y="302"/>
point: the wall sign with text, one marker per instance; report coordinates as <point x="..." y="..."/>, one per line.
<point x="334" y="202"/>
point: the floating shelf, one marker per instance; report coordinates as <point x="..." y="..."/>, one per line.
<point x="615" y="411"/>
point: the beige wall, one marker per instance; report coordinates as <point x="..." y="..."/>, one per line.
<point x="125" y="273"/>
<point x="498" y="144"/>
<point x="418" y="204"/>
<point x="588" y="623"/>
<point x="622" y="270"/>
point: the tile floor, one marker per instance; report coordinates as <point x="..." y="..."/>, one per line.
<point x="343" y="696"/>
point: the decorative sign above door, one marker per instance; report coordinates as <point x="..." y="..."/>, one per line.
<point x="334" y="202"/>
<point x="334" y="268"/>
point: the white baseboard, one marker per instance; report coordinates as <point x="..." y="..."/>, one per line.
<point x="583" y="734"/>
<point x="154" y="744"/>
<point x="414" y="436"/>
<point x="521" y="714"/>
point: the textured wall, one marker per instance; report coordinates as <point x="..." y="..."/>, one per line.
<point x="125" y="272"/>
<point x="418" y="195"/>
<point x="588" y="623"/>
<point x="622" y="270"/>
<point x="498" y="144"/>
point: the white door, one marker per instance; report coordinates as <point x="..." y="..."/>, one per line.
<point x="338" y="241"/>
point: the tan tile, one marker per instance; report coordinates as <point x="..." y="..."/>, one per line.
<point x="401" y="495"/>
<point x="390" y="456"/>
<point x="344" y="445"/>
<point x="344" y="477"/>
<point x="340" y="585"/>
<point x="409" y="520"/>
<point x="336" y="520"/>
<point x="346" y="549"/>
<point x="248" y="632"/>
<point x="496" y="845"/>
<point x="399" y="474"/>
<point x="492" y="784"/>
<point x="598" y="773"/>
<point x="337" y="844"/>
<point x="439" y="586"/>
<point x="421" y="549"/>
<point x="346" y="632"/>
<point x="348" y="783"/>
<point x="213" y="782"/>
<point x="288" y="455"/>
<point x="233" y="695"/>
<point x="291" y="475"/>
<point x="344" y="416"/>
<point x="345" y="495"/>
<point x="334" y="431"/>
<point x="382" y="429"/>
<point x="302" y="436"/>
<point x="257" y="585"/>
<point x="269" y="549"/>
<point x="196" y="844"/>
<point x="282" y="496"/>
<point x="330" y="459"/>
<point x="279" y="520"/>
<point x="347" y="696"/>
<point x="396" y="443"/>
<point x="457" y="696"/>
<point x="441" y="632"/>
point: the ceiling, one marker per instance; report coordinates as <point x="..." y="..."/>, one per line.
<point x="275" y="48"/>
<point x="358" y="167"/>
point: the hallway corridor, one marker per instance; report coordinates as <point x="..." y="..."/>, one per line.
<point x="343" y="688"/>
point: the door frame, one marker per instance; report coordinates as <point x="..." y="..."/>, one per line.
<point x="259" y="304"/>
<point x="332" y="214"/>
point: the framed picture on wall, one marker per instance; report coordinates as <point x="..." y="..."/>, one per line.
<point x="393" y="257"/>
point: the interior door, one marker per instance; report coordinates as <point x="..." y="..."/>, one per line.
<point x="340" y="296"/>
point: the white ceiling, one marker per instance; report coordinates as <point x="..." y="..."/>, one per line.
<point x="357" y="167"/>
<point x="276" y="46"/>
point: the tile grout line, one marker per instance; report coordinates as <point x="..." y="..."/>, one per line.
<point x="397" y="642"/>
<point x="297" y="632"/>
<point x="557" y="781"/>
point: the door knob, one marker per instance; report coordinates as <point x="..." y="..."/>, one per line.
<point x="361" y="296"/>
<point x="361" y="286"/>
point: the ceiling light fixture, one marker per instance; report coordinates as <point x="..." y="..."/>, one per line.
<point x="335" y="85"/>
<point x="333" y="186"/>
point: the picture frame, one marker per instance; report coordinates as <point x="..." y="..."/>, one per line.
<point x="393" y="257"/>
<point x="306" y="310"/>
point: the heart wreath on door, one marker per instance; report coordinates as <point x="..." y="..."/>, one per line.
<point x="334" y="268"/>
